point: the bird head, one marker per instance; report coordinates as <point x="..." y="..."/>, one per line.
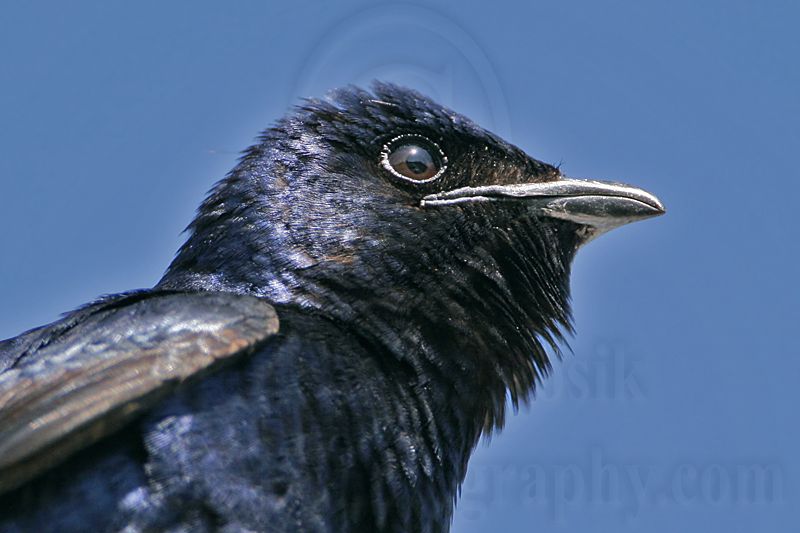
<point x="386" y="208"/>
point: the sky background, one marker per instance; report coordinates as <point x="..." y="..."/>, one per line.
<point x="676" y="411"/>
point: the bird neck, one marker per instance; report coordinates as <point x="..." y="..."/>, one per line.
<point x="485" y="313"/>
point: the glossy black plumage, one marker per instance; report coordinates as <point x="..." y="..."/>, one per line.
<point x="126" y="354"/>
<point x="403" y="328"/>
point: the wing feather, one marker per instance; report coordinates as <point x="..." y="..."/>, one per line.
<point x="111" y="366"/>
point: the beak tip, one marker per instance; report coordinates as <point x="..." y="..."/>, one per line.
<point x="656" y="204"/>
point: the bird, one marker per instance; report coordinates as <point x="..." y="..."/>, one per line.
<point x="367" y="293"/>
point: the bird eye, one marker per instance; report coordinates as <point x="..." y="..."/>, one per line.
<point x="413" y="157"/>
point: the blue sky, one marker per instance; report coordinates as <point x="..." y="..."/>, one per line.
<point x="676" y="411"/>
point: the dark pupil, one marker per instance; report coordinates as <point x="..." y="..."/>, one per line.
<point x="417" y="166"/>
<point x="413" y="161"/>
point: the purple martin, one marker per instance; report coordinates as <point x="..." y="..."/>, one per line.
<point x="354" y="304"/>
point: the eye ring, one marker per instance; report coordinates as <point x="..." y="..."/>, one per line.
<point x="397" y="154"/>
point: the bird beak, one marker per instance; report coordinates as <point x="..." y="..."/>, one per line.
<point x="600" y="205"/>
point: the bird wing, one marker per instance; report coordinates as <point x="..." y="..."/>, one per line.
<point x="70" y="384"/>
